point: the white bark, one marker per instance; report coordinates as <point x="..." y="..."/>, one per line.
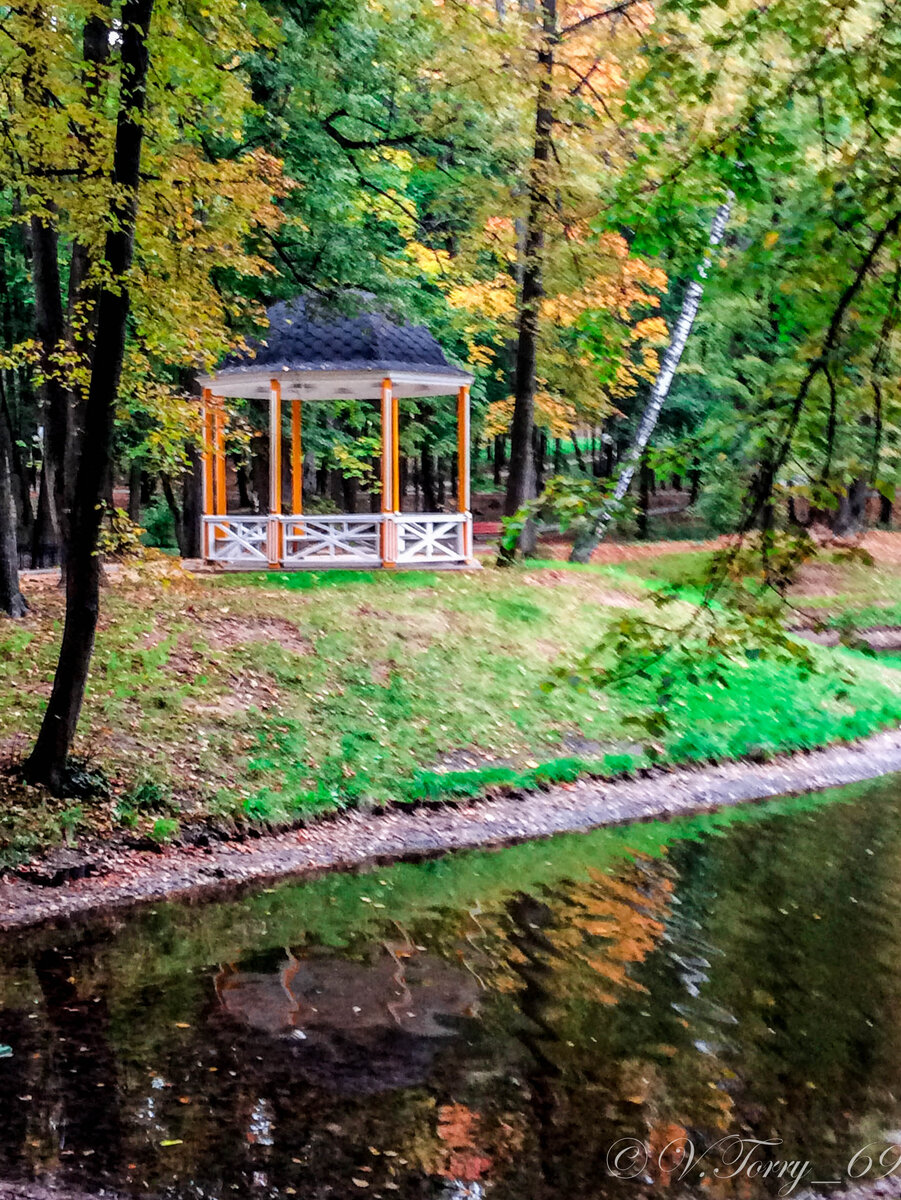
<point x="690" y="305"/>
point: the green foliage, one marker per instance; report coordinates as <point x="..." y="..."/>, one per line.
<point x="164" y="830"/>
<point x="571" y="504"/>
<point x="159" y="527"/>
<point x="119" y="536"/>
<point x="71" y="820"/>
<point x="148" y="796"/>
<point x="738" y="622"/>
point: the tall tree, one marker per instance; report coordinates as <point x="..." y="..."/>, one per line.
<point x="521" y="474"/>
<point x="48" y="761"/>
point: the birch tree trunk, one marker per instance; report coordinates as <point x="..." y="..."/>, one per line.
<point x="582" y="550"/>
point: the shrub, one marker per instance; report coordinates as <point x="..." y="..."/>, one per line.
<point x="159" y="527"/>
<point x="165" y="829"/>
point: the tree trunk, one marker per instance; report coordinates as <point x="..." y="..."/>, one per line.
<point x="48" y="761"/>
<point x="441" y="494"/>
<point x="84" y="291"/>
<point x="192" y="505"/>
<point x="375" y="498"/>
<point x="178" y="523"/>
<point x="427" y="475"/>
<point x="336" y="487"/>
<point x="644" y="499"/>
<point x="12" y="602"/>
<point x="852" y="509"/>
<point x="349" y="493"/>
<point x="499" y="460"/>
<point x="309" y="472"/>
<point x="148" y="486"/>
<point x="44" y="535"/>
<point x="19" y="481"/>
<point x="694" y="478"/>
<point x="540" y="448"/>
<point x="50" y="329"/>
<point x="259" y="473"/>
<point x="609" y="458"/>
<point x="885" y="511"/>
<point x="691" y="302"/>
<point x="521" y="475"/>
<point x="577" y="450"/>
<point x="244" y="500"/>
<point x="134" y="491"/>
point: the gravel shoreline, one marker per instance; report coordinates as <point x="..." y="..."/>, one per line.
<point x="359" y="839"/>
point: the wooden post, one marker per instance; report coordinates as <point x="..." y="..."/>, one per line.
<point x="274" y="538"/>
<point x="296" y="463"/>
<point x="463" y="449"/>
<point x="220" y="503"/>
<point x="395" y="456"/>
<point x="209" y="501"/>
<point x="463" y="471"/>
<point x="221" y="507"/>
<point x="389" y="533"/>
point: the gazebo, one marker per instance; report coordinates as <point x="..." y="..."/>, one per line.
<point x="310" y="355"/>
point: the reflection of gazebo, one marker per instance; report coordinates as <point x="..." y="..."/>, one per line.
<point x="313" y="356"/>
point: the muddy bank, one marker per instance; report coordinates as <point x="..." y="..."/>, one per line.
<point x="134" y="876"/>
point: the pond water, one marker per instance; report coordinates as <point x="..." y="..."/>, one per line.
<point x="709" y="1006"/>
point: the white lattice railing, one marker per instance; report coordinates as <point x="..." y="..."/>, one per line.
<point x="237" y="540"/>
<point x="431" y="537"/>
<point x="331" y="540"/>
<point x="336" y="540"/>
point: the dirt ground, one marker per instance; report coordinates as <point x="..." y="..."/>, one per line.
<point x="884" y="545"/>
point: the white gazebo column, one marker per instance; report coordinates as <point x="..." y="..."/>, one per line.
<point x="463" y="469"/>
<point x="390" y="484"/>
<point x="274" y="530"/>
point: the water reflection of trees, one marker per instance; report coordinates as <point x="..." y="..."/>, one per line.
<point x="730" y="985"/>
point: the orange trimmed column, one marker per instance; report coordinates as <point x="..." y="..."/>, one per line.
<point x="296" y="461"/>
<point x="221" y="504"/>
<point x="395" y="457"/>
<point x="209" y="501"/>
<point x="274" y="532"/>
<point x="389" y="532"/>
<point x="463" y="472"/>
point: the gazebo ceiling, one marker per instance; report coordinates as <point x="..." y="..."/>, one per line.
<point x="317" y="354"/>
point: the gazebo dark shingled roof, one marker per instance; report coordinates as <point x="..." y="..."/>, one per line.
<point x="318" y="353"/>
<point x="304" y="337"/>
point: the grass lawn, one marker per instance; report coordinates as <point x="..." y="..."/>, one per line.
<point x="276" y="697"/>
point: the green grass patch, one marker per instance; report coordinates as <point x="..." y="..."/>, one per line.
<point x="282" y="696"/>
<point x="306" y="581"/>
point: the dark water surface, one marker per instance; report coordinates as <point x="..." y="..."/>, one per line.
<point x="532" y="1022"/>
